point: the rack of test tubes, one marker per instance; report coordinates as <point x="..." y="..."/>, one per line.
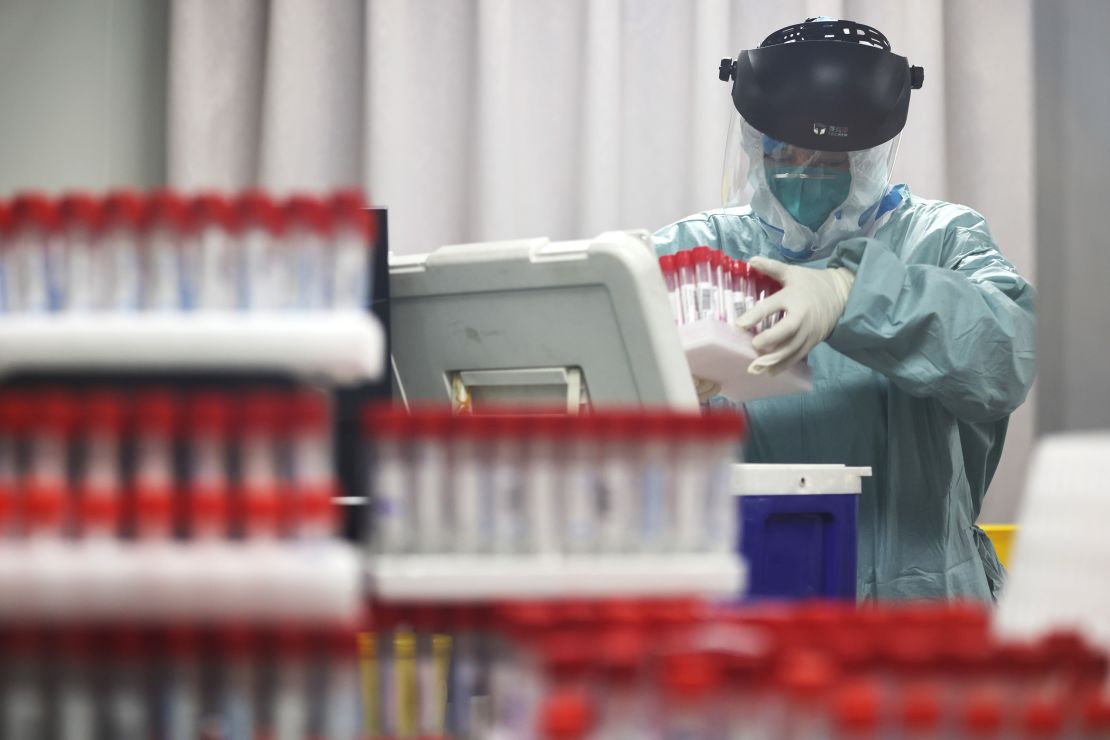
<point x="666" y="668"/>
<point x="156" y="506"/>
<point x="204" y="282"/>
<point x="708" y="292"/>
<point x="530" y="504"/>
<point x="180" y="681"/>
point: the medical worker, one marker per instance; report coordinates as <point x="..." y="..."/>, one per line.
<point x="918" y="332"/>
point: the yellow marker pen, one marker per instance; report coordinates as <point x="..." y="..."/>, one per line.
<point x="371" y="696"/>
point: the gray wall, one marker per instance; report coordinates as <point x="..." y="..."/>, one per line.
<point x="989" y="110"/>
<point x="1073" y="226"/>
<point x="83" y="105"/>
<point x="82" y="94"/>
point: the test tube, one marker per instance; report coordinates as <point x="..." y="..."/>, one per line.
<point x="164" y="253"/>
<point x="430" y="710"/>
<point x="442" y="646"/>
<point x="341" y="713"/>
<point x="101" y="481"/>
<point x="622" y="654"/>
<point x="210" y="255"/>
<point x="688" y="286"/>
<point x="307" y="237"/>
<point x="1042" y="715"/>
<point x="15" y="417"/>
<point x="291" y="711"/>
<point x="369" y="685"/>
<point x="154" y="481"/>
<point x="506" y="481"/>
<point x="207" y="469"/>
<point x="691" y="683"/>
<point x="180" y="693"/>
<point x="238" y="690"/>
<point x="75" y="710"/>
<point x="467" y="677"/>
<point x="738" y="270"/>
<point x="982" y="713"/>
<point x="656" y="482"/>
<point x="313" y="478"/>
<point x="542" y="482"/>
<point x="23" y="705"/>
<point x="117" y="270"/>
<point x="720" y="432"/>
<point x="406" y="712"/>
<point x="388" y="621"/>
<point x="45" y="492"/>
<point x="259" y="498"/>
<point x="566" y="715"/>
<point x="81" y="219"/>
<point x="263" y="265"/>
<point x="670" y="279"/>
<point x="856" y="711"/>
<point x="515" y="678"/>
<point x="690" y="505"/>
<point x="620" y="481"/>
<point x="33" y="267"/>
<point x="919" y="711"/>
<point x="751" y="276"/>
<point x="470" y="481"/>
<point x="5" y="234"/>
<point x="724" y="276"/>
<point x="390" y="488"/>
<point x="580" y="485"/>
<point x="128" y="718"/>
<point x="805" y="678"/>
<point x="430" y="492"/>
<point x="352" y="240"/>
<point x="707" y="284"/>
<point x="1094" y="715"/>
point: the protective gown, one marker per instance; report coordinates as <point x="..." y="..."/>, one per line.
<point x="934" y="350"/>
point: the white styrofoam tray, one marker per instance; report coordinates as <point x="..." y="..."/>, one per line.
<point x="345" y="347"/>
<point x="721" y="352"/>
<point x="788" y="479"/>
<point x="480" y="577"/>
<point x="60" y="581"/>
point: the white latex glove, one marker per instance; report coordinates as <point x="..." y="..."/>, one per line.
<point x="706" y="389"/>
<point x="813" y="301"/>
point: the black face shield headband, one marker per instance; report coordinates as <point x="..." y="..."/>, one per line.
<point x="825" y="85"/>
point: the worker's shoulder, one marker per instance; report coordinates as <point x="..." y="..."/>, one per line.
<point x="712" y="228"/>
<point x="938" y="214"/>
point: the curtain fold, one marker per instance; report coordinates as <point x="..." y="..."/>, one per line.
<point x="475" y="120"/>
<point x="488" y="119"/>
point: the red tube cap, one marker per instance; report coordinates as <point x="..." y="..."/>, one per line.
<point x="255" y="208"/>
<point x="348" y="207"/>
<point x="80" y="210"/>
<point x="35" y="210"/>
<point x="124" y="208"/>
<point x="308" y="213"/>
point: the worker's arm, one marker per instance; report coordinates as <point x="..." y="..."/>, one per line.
<point x="961" y="332"/>
<point x="699" y="229"/>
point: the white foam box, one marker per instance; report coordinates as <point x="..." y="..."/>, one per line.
<point x="482" y="577"/>
<point x="722" y="352"/>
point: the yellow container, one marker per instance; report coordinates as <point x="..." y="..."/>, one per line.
<point x="1002" y="537"/>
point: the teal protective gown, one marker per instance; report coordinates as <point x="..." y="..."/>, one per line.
<point x="934" y="350"/>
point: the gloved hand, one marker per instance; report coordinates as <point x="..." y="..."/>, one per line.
<point x="813" y="301"/>
<point x="706" y="388"/>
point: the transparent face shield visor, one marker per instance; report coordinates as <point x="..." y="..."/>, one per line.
<point x="810" y="186"/>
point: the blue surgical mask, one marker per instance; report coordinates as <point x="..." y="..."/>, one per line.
<point x="809" y="194"/>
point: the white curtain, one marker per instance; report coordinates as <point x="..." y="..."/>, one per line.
<point x="475" y="120"/>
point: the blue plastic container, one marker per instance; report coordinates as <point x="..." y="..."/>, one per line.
<point x="798" y="529"/>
